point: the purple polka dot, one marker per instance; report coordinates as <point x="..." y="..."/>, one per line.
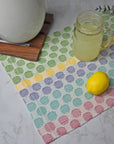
<point x="71" y="69"/>
<point x="103" y="52"/>
<point x="69" y="78"/>
<point x="92" y="67"/>
<point x="36" y="86"/>
<point x="81" y="64"/>
<point x="48" y="81"/>
<point x="80" y="72"/>
<point x="46" y="90"/>
<point x="112" y="55"/>
<point x="103" y="61"/>
<point x="58" y="84"/>
<point x="24" y="92"/>
<point x="60" y="75"/>
<point x="34" y="96"/>
<point x="112" y="47"/>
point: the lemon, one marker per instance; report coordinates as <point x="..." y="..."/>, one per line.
<point x="97" y="83"/>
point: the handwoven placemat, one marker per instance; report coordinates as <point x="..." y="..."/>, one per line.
<point x="53" y="88"/>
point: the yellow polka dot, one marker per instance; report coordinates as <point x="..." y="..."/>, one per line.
<point x="61" y="66"/>
<point x="50" y="72"/>
<point x="72" y="61"/>
<point x="26" y="83"/>
<point x="38" y="77"/>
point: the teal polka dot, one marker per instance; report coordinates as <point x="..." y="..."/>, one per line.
<point x="38" y="122"/>
<point x="111" y="82"/>
<point x="44" y="100"/>
<point x="111" y="63"/>
<point x="67" y="98"/>
<point x="79" y="82"/>
<point x="111" y="72"/>
<point x="9" y="68"/>
<point x="52" y="116"/>
<point x="31" y="106"/>
<point x="78" y="92"/>
<point x="63" y="50"/>
<point x="66" y="35"/>
<point x="53" y="55"/>
<point x="30" y="65"/>
<point x="102" y="68"/>
<point x="41" y="111"/>
<point x="12" y="60"/>
<point x="65" y="109"/>
<point x="77" y="102"/>
<point x="62" y="58"/>
<point x="45" y="46"/>
<point x="89" y="74"/>
<point x="54" y="104"/>
<point x="40" y="68"/>
<point x="47" y="39"/>
<point x="20" y="62"/>
<point x="16" y="79"/>
<point x="88" y="96"/>
<point x="28" y="74"/>
<point x="55" y="40"/>
<point x="19" y="70"/>
<point x="3" y="57"/>
<point x="43" y="53"/>
<point x="68" y="88"/>
<point x="56" y="94"/>
<point x="67" y="29"/>
<point x="51" y="63"/>
<point x="64" y="43"/>
<point x="42" y="60"/>
<point x="57" y="34"/>
<point x="54" y="48"/>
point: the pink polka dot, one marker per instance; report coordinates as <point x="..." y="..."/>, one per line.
<point x="99" y="99"/>
<point x="110" y="102"/>
<point x="63" y="120"/>
<point x="61" y="131"/>
<point x="110" y="91"/>
<point x="99" y="109"/>
<point x="88" y="105"/>
<point x="47" y="138"/>
<point x="87" y="116"/>
<point x="76" y="113"/>
<point x="74" y="124"/>
<point x="49" y="127"/>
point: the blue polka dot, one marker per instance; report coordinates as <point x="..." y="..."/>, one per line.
<point x="103" y="61"/>
<point x="69" y="78"/>
<point x="77" y="102"/>
<point x="60" y="75"/>
<point x="67" y="98"/>
<point x="112" y="47"/>
<point x="38" y="122"/>
<point x="103" y="52"/>
<point x="44" y="100"/>
<point x="68" y="88"/>
<point x="71" y="69"/>
<point x="111" y="55"/>
<point x="36" y="86"/>
<point x="48" y="81"/>
<point x="81" y="64"/>
<point x="56" y="94"/>
<point x="24" y="92"/>
<point x="78" y="92"/>
<point x="92" y="67"/>
<point x="65" y="109"/>
<point x="34" y="96"/>
<point x="52" y="116"/>
<point x="41" y="111"/>
<point x="58" y="84"/>
<point x="54" y="104"/>
<point x="46" y="90"/>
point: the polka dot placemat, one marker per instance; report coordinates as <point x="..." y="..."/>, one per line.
<point x="54" y="88"/>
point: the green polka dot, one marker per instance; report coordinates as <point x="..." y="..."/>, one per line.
<point x="57" y="34"/>
<point x="30" y="65"/>
<point x="53" y="55"/>
<point x="31" y="106"/>
<point x="55" y="40"/>
<point x="28" y="74"/>
<point x="105" y="37"/>
<point x="71" y="53"/>
<point x="66" y="35"/>
<point x="80" y="82"/>
<point x="52" y="116"/>
<point x="89" y="74"/>
<point x="3" y="57"/>
<point x="12" y="60"/>
<point x="44" y="53"/>
<point x="67" y="98"/>
<point x="47" y="39"/>
<point x="102" y="68"/>
<point x="105" y="17"/>
<point x="106" y="24"/>
<point x="78" y="92"/>
<point x="51" y="63"/>
<point x="44" y="100"/>
<point x="77" y="102"/>
<point x="111" y="63"/>
<point x="64" y="109"/>
<point x="54" y="104"/>
<point x="64" y="43"/>
<point x="63" y="50"/>
<point x="68" y="88"/>
<point x="112" y="19"/>
<point x="20" y="62"/>
<point x="16" y="79"/>
<point x="111" y="73"/>
<point x="42" y="60"/>
<point x="19" y="70"/>
<point x="62" y="58"/>
<point x="54" y="48"/>
<point x="88" y="95"/>
<point x="113" y="33"/>
<point x="41" y="111"/>
<point x="38" y="122"/>
<point x="67" y="29"/>
<point x="40" y="68"/>
<point x="9" y="68"/>
<point x="111" y="82"/>
<point x="56" y="94"/>
<point x="45" y="46"/>
<point x="112" y="26"/>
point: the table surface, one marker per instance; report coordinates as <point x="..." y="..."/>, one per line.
<point x="16" y="126"/>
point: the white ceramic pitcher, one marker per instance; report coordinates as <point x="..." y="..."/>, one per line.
<point x="21" y="20"/>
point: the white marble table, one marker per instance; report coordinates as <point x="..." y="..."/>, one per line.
<point x="15" y="123"/>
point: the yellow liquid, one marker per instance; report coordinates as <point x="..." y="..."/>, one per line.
<point x="87" y="46"/>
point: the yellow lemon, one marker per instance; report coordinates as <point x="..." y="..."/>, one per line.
<point x="97" y="83"/>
